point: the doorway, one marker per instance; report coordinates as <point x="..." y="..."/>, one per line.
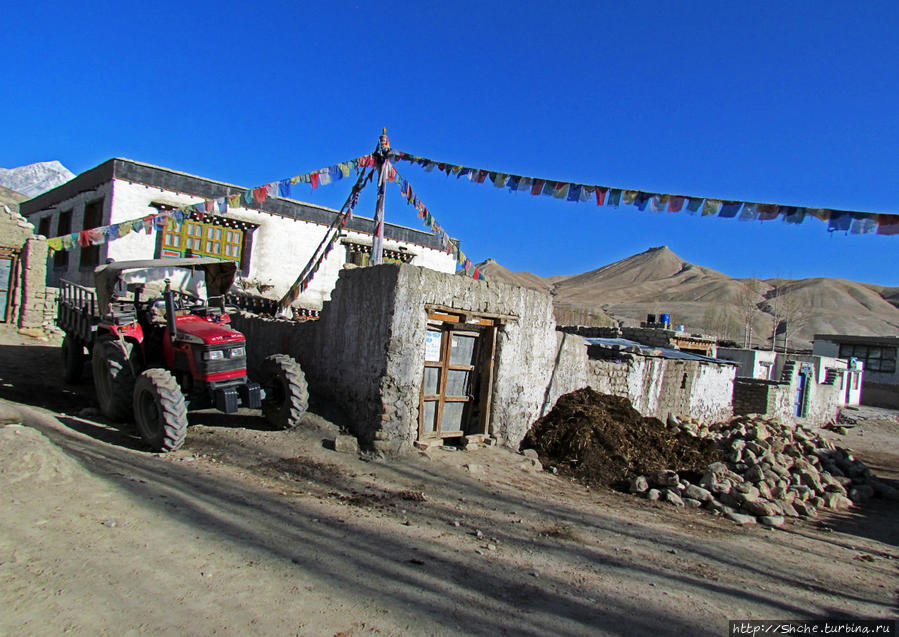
<point x="7" y="274"/>
<point x="458" y="375"/>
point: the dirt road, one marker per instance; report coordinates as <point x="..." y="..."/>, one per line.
<point x="249" y="531"/>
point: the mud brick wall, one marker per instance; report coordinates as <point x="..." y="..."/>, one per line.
<point x="659" y="386"/>
<point x="366" y="352"/>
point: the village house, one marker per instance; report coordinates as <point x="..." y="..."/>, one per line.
<point x="660" y="370"/>
<point x="271" y="241"/>
<point x="794" y="387"/>
<point x="877" y="355"/>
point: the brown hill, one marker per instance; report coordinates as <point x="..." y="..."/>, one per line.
<point x="11" y="198"/>
<point x="704" y="300"/>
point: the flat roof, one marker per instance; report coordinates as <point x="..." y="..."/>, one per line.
<point x="658" y="352"/>
<point x="193" y="185"/>
<point x="858" y="340"/>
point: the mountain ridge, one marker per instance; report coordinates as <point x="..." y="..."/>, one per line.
<point x="33" y="179"/>
<point x="702" y="299"/>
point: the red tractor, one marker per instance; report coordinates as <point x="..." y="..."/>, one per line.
<point x="159" y="347"/>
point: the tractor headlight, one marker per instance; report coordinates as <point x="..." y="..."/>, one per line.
<point x="237" y="352"/>
<point x="213" y="355"/>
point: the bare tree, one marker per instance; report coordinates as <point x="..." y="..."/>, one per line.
<point x="748" y="298"/>
<point x="795" y="314"/>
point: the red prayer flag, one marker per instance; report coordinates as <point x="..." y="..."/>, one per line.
<point x="601" y="195"/>
<point x="675" y="204"/>
<point x="887" y="224"/>
<point x="537" y="187"/>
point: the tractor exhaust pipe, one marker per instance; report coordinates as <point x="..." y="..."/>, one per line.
<point x="169" y="297"/>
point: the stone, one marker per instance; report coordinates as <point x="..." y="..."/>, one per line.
<point x="789" y="510"/>
<point x="697" y="493"/>
<point x="745" y="493"/>
<point x="638" y="485"/>
<point x="346" y="444"/>
<point x="759" y="508"/>
<point x="530" y="453"/>
<point x="653" y="494"/>
<point x="665" y="478"/>
<point x="474" y="468"/>
<point x="765" y="490"/>
<point x="673" y="498"/>
<point x="740" y="518"/>
<point x="776" y="521"/>
<point x="531" y="464"/>
<point x="754" y="474"/>
<point x="692" y="503"/>
<point x="672" y="421"/>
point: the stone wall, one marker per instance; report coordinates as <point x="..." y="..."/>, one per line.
<point x="659" y="386"/>
<point x="33" y="278"/>
<point x="27" y="282"/>
<point x="759" y="396"/>
<point x="366" y="352"/>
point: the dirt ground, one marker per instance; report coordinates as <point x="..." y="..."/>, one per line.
<point x="250" y="531"/>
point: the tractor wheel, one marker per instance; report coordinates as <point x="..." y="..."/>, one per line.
<point x="72" y="359"/>
<point x="286" y="393"/>
<point x="159" y="410"/>
<point x="113" y="377"/>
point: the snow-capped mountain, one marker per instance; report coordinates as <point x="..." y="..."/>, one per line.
<point x="33" y="179"/>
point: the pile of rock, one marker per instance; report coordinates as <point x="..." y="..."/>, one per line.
<point x="773" y="472"/>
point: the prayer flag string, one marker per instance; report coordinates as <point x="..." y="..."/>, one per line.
<point x="851" y="221"/>
<point x="449" y="244"/>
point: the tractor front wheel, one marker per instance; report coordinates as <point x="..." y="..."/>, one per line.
<point x="159" y="410"/>
<point x="286" y="393"/>
<point x="113" y="377"/>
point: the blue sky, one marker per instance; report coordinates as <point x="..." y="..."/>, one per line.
<point x="794" y="103"/>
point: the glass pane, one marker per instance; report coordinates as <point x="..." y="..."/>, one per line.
<point x="432" y="345"/>
<point x="462" y="352"/>
<point x="427" y="423"/>
<point x="874" y="352"/>
<point x="456" y="383"/>
<point x="218" y="233"/>
<point x="452" y="416"/>
<point x="432" y="380"/>
<point x="873" y="365"/>
<point x="889" y="353"/>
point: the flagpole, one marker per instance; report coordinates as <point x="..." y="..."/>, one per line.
<point x="382" y="161"/>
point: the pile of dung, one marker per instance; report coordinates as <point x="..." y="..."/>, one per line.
<point x="600" y="439"/>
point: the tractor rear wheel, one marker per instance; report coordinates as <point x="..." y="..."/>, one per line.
<point x="113" y="377"/>
<point x="72" y="359"/>
<point x="159" y="410"/>
<point x="286" y="393"/>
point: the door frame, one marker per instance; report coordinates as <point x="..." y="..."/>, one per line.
<point x="451" y="322"/>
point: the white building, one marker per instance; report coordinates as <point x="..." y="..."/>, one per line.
<point x="271" y="241"/>
<point x="876" y="354"/>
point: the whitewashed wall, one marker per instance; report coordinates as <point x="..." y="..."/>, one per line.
<point x="281" y="246"/>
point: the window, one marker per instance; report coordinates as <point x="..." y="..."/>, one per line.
<point x="93" y="218"/>
<point x="63" y="227"/>
<point x="875" y="358"/>
<point x="44" y="226"/>
<point x="196" y="238"/>
<point x="360" y="254"/>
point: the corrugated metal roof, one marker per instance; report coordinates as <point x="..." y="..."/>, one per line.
<point x="659" y="352"/>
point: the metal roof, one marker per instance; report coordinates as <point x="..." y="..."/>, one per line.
<point x="658" y="352"/>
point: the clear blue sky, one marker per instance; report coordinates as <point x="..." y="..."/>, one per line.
<point x="794" y="103"/>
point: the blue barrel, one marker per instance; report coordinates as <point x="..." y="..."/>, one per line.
<point x="665" y="319"/>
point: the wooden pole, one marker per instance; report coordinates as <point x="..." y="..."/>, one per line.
<point x="382" y="159"/>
